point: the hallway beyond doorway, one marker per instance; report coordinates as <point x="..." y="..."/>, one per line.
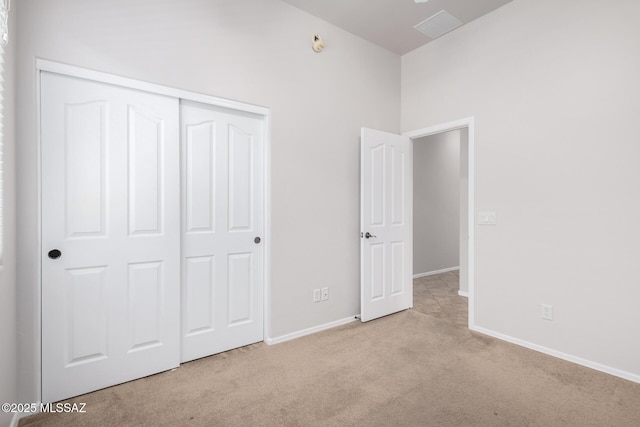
<point x="437" y="296"/>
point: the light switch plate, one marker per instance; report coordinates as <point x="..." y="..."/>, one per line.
<point x="487" y="218"/>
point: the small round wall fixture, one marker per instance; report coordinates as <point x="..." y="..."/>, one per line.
<point x="318" y="43"/>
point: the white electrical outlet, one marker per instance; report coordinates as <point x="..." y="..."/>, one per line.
<point x="325" y="294"/>
<point x="316" y="295"/>
<point x="547" y="312"/>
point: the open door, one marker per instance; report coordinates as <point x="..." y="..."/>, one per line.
<point x="386" y="246"/>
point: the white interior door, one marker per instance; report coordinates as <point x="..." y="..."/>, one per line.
<point x="110" y="235"/>
<point x="223" y="226"/>
<point x="386" y="246"/>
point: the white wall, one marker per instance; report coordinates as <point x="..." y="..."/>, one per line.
<point x="256" y="51"/>
<point x="555" y="92"/>
<point x="436" y="202"/>
<point x="8" y="337"/>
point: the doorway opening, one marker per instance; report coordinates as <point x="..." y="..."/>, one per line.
<point x="453" y="142"/>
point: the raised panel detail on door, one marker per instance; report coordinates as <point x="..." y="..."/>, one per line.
<point x="377" y="271"/>
<point x="111" y="207"/>
<point x="200" y="173"/>
<point x="223" y="266"/>
<point x="397" y="186"/>
<point x="240" y="179"/>
<point x="377" y="185"/>
<point x="397" y="267"/>
<point x="84" y="183"/>
<point x="199" y="287"/>
<point x="239" y="285"/>
<point x="87" y="316"/>
<point x="145" y="172"/>
<point x="145" y="293"/>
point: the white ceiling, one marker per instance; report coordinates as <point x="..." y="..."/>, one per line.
<point x="389" y="23"/>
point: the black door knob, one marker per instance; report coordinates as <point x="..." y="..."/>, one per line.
<point x="55" y="254"/>
<point x="257" y="240"/>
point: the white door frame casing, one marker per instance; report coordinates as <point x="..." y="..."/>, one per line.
<point x="49" y="66"/>
<point x="469" y="124"/>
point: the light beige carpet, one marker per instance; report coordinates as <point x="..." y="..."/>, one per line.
<point x="414" y="368"/>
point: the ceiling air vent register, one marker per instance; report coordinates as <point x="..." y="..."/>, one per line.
<point x="439" y="24"/>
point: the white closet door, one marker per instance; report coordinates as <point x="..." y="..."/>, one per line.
<point x="223" y="229"/>
<point x="110" y="235"/>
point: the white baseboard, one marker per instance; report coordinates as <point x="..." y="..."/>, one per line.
<point x="309" y="331"/>
<point x="463" y="294"/>
<point x="17" y="416"/>
<point x="431" y="273"/>
<point x="560" y="355"/>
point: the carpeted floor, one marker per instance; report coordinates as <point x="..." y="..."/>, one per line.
<point x="420" y="367"/>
